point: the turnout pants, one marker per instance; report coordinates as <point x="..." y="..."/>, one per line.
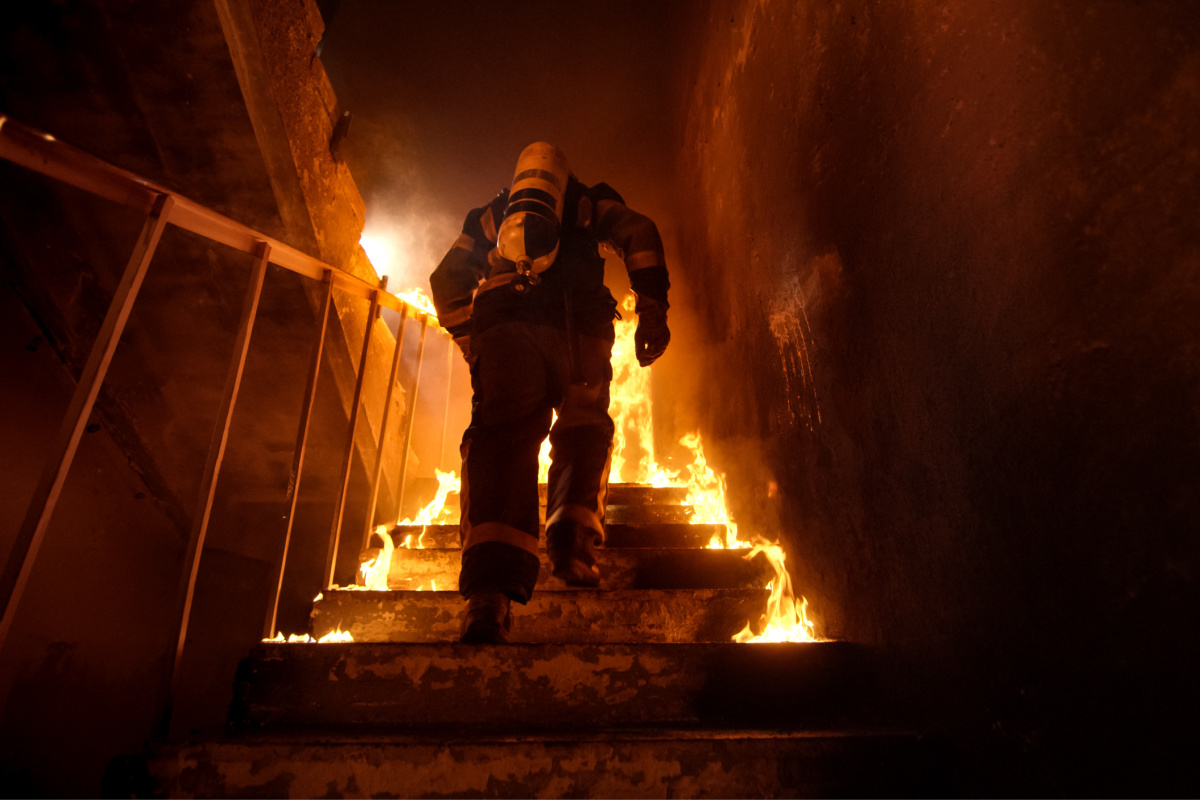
<point x="520" y="371"/>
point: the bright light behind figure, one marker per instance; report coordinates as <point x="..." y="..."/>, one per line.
<point x="381" y="250"/>
<point x="407" y="247"/>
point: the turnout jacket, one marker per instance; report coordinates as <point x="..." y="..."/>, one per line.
<point x="474" y="288"/>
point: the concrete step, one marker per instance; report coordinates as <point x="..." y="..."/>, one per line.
<point x="662" y="763"/>
<point x="654" y="535"/>
<point x="647" y="513"/>
<point x="554" y="685"/>
<point x="636" y="494"/>
<point x="620" y="568"/>
<point x="580" y="616"/>
<point x="620" y="514"/>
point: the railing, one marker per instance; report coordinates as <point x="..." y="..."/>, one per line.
<point x="42" y="153"/>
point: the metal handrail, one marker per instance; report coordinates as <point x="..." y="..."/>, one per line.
<point x="43" y="153"/>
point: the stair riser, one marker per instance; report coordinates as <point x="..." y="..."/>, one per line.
<point x="652" y="535"/>
<point x="619" y="569"/>
<point x="619" y="514"/>
<point x="633" y="494"/>
<point x="572" y="617"/>
<point x="651" y="514"/>
<point x="781" y="766"/>
<point x="547" y="685"/>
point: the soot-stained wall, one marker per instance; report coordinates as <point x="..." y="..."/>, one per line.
<point x="946" y="262"/>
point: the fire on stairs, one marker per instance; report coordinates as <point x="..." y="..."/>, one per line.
<point x="632" y="690"/>
<point x="640" y="688"/>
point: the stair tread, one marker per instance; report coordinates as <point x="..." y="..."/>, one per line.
<point x="623" y="763"/>
<point x="636" y="494"/>
<point x="580" y="615"/>
<point x="620" y="568"/>
<point x="633" y="535"/>
<point x="319" y="735"/>
<point x="555" y="684"/>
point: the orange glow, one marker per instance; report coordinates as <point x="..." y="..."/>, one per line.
<point x="303" y="638"/>
<point x="436" y="512"/>
<point x="417" y="298"/>
<point x="388" y="258"/>
<point x="633" y="461"/>
<point x="633" y="438"/>
<point x="785" y="620"/>
<point x="544" y="454"/>
<point x="375" y="572"/>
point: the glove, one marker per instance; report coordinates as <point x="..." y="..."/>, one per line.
<point x="651" y="337"/>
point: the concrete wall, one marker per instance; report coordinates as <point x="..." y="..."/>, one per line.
<point x="157" y="90"/>
<point x="944" y="257"/>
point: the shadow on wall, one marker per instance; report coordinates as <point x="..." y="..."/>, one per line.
<point x="85" y="660"/>
<point x="945" y="260"/>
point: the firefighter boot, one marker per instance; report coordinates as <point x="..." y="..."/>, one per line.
<point x="572" y="550"/>
<point x="488" y="619"/>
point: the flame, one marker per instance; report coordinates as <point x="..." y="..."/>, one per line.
<point x="706" y="496"/>
<point x="303" y="638"/>
<point x="375" y="571"/>
<point x="633" y="461"/>
<point x="544" y="454"/>
<point x="785" y="620"/>
<point x="418" y="299"/>
<point x="629" y="406"/>
<point x="436" y="511"/>
<point x="633" y="438"/>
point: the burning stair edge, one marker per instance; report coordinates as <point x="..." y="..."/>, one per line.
<point x="631" y="690"/>
<point x="574" y="616"/>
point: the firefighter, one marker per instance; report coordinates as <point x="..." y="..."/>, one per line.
<point x="522" y="292"/>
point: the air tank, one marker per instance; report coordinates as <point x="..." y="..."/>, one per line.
<point x="528" y="235"/>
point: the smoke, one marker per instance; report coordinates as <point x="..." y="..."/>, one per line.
<point x="408" y="228"/>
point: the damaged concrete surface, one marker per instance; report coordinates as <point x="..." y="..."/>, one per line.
<point x="650" y="534"/>
<point x="552" y="684"/>
<point x="664" y="763"/>
<point x="620" y="568"/>
<point x="605" y="615"/>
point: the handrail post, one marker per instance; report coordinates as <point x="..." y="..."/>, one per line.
<point x="412" y="414"/>
<point x="373" y="489"/>
<point x="54" y="475"/>
<point x="212" y="471"/>
<point x="335" y="535"/>
<point x="293" y="490"/>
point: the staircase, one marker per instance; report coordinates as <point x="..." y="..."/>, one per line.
<point x="631" y="690"/>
